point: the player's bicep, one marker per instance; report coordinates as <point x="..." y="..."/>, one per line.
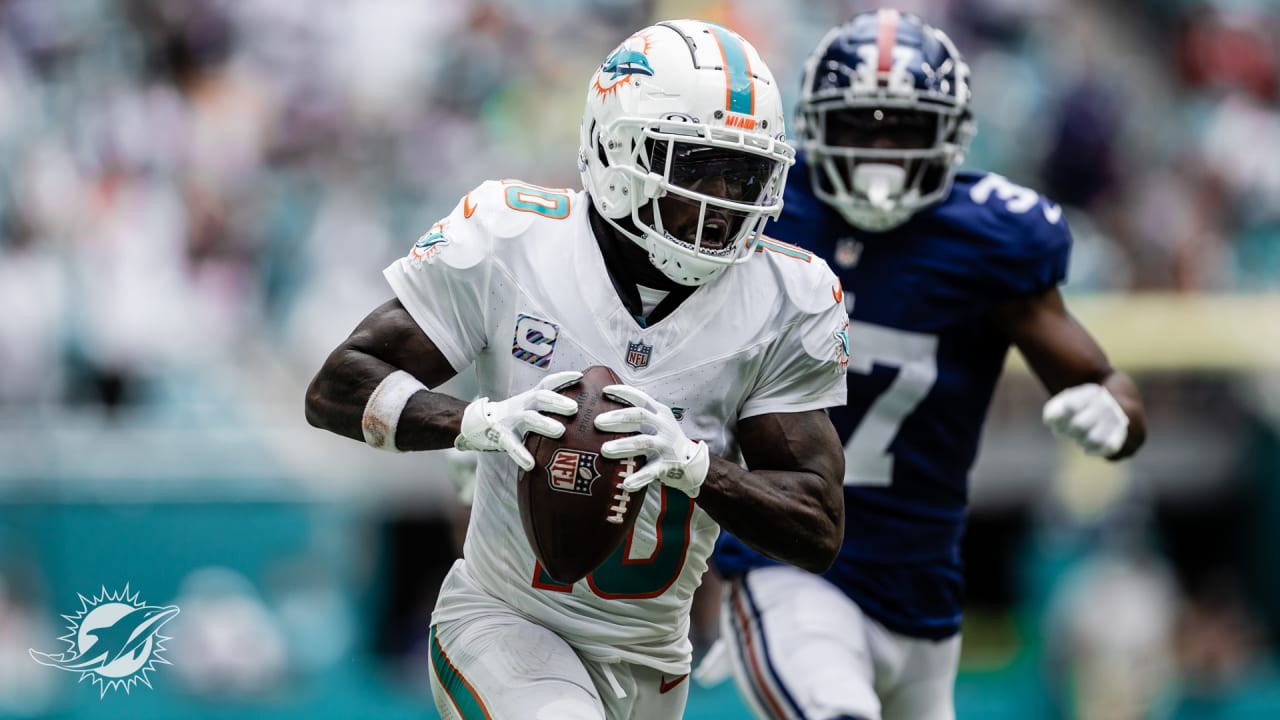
<point x="1056" y="347"/>
<point x="391" y="335"/>
<point x="793" y="442"/>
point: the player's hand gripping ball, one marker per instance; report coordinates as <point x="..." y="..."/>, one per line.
<point x="572" y="503"/>
<point x="502" y="426"/>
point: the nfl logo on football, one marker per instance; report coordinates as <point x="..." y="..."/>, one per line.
<point x="638" y="354"/>
<point x="572" y="471"/>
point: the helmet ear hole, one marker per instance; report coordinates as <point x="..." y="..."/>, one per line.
<point x="604" y="159"/>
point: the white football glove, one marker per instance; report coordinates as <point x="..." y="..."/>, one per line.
<point x="670" y="456"/>
<point x="1090" y="416"/>
<point x="501" y="426"/>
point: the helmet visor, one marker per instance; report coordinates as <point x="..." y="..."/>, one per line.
<point x="881" y="129"/>
<point x="719" y="173"/>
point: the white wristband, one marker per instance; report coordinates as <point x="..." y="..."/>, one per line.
<point x="386" y="404"/>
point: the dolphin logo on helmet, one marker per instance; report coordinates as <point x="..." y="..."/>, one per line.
<point x="626" y="62"/>
<point x="628" y="59"/>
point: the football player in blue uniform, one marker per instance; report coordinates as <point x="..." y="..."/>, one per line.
<point x="942" y="271"/>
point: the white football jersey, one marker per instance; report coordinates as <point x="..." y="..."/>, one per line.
<point x="514" y="282"/>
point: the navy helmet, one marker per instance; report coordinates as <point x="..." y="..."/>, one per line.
<point x="884" y="117"/>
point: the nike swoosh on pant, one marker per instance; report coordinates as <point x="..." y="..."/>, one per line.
<point x="665" y="685"/>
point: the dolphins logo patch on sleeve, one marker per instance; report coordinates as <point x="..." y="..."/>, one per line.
<point x="842" y="346"/>
<point x="428" y="245"/>
<point x="114" y="640"/>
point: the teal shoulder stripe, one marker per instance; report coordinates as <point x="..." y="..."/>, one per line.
<point x="461" y="694"/>
<point x="740" y="97"/>
<point x="782" y="248"/>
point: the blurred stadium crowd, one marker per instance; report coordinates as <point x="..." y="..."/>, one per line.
<point x="182" y="178"/>
<point x="197" y="198"/>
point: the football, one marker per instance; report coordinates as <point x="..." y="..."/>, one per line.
<point x="572" y="504"/>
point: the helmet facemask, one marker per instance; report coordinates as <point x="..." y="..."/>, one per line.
<point x="879" y="163"/>
<point x="885" y="117"/>
<point x="698" y="196"/>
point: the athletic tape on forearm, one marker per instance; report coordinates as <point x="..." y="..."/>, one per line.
<point x="386" y="404"/>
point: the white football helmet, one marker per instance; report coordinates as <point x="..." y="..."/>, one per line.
<point x="686" y="110"/>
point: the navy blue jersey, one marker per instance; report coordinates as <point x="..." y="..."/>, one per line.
<point x="923" y="364"/>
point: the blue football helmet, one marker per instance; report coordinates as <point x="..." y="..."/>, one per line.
<point x="884" y="117"/>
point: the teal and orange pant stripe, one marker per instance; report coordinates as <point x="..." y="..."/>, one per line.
<point x="464" y="697"/>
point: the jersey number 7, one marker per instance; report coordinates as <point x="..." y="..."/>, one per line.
<point x="867" y="460"/>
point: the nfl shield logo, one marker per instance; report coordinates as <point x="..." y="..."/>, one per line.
<point x="572" y="471"/>
<point x="638" y="354"/>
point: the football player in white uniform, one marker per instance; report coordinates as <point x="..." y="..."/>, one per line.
<point x="730" y="346"/>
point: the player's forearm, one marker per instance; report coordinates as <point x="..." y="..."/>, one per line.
<point x="337" y="398"/>
<point x="1123" y="389"/>
<point x="795" y="517"/>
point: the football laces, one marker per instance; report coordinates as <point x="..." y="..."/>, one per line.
<point x="621" y="497"/>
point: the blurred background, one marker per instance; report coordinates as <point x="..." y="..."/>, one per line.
<point x="197" y="198"/>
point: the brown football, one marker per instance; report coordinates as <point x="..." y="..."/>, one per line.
<point x="572" y="504"/>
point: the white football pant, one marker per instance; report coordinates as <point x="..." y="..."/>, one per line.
<point x="499" y="665"/>
<point x="802" y="650"/>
